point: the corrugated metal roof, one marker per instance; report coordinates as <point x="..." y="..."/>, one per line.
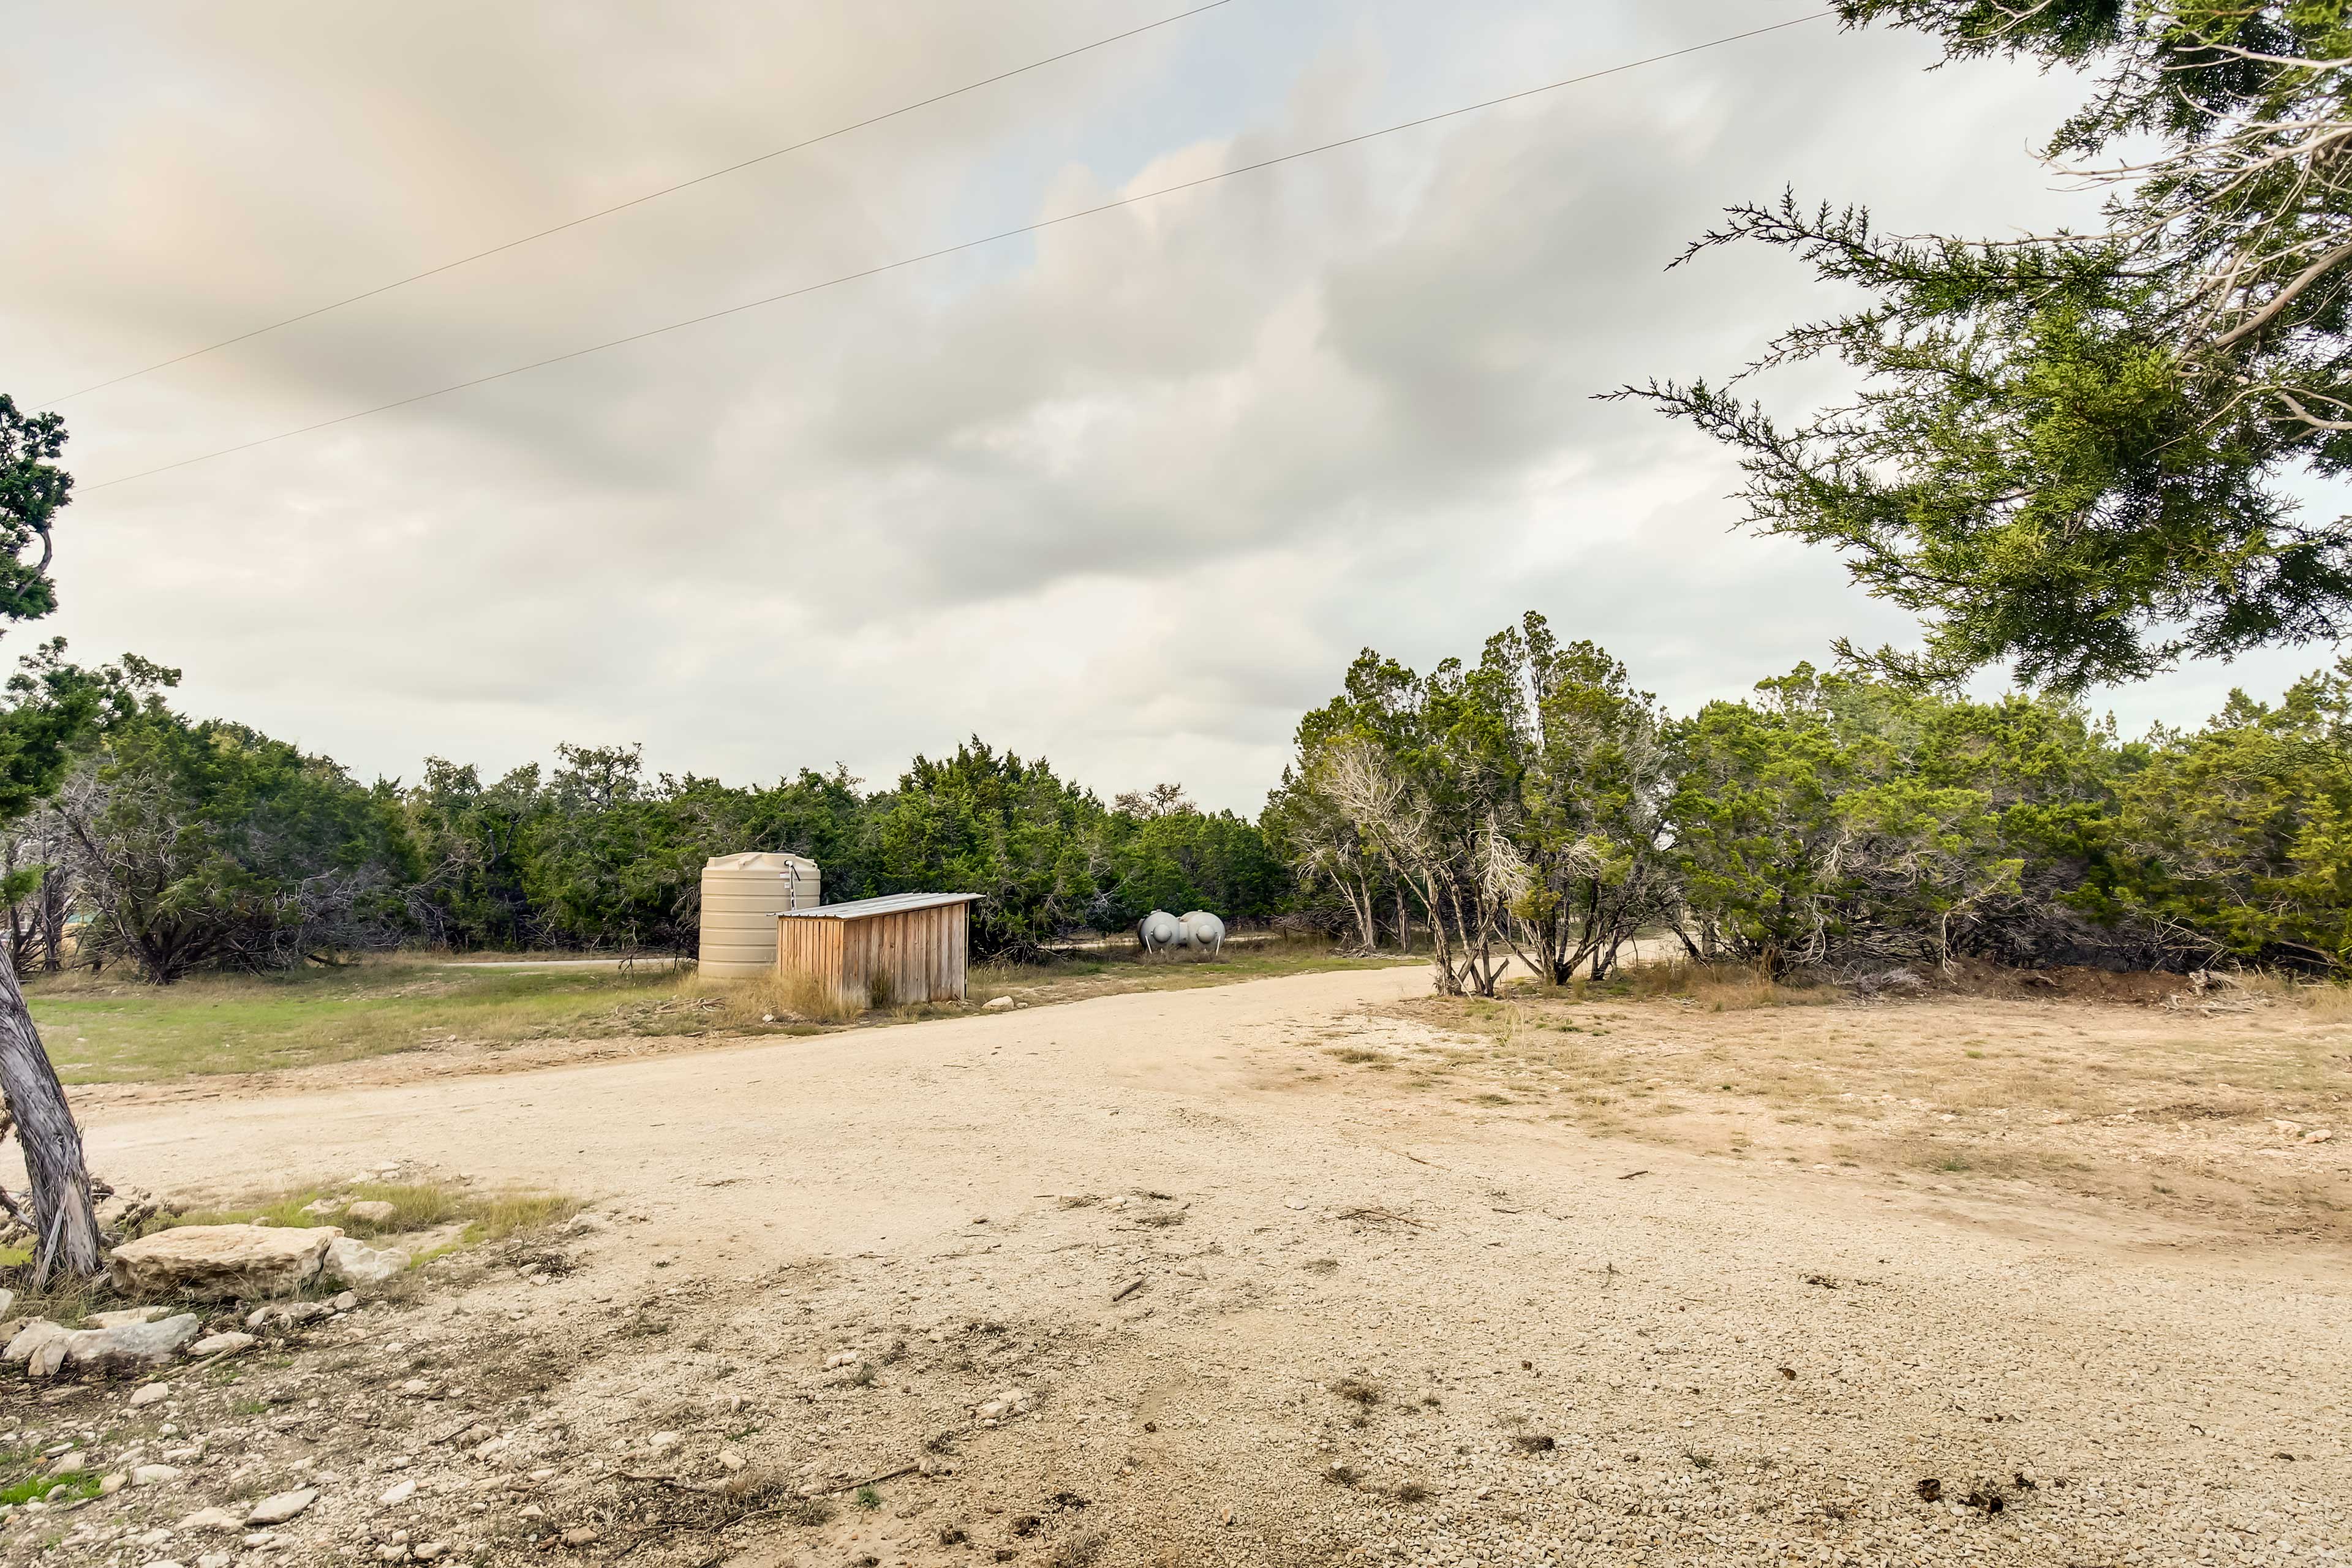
<point x="888" y="904"/>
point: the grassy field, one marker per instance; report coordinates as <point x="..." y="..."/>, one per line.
<point x="111" y="1030"/>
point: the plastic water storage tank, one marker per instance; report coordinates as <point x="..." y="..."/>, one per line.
<point x="742" y="897"/>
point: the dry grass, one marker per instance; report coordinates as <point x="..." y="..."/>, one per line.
<point x="2195" y="1106"/>
<point x="114" y="1029"/>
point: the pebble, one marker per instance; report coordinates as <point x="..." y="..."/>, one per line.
<point x="661" y="1440"/>
<point x="283" y="1506"/>
<point x="148" y="1393"/>
<point x="397" y="1495"/>
<point x="220" y="1345"/>
<point x="154" y="1475"/>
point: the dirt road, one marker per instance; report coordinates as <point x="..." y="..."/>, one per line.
<point x="1367" y="1328"/>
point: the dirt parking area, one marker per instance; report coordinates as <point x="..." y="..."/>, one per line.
<point x="1306" y="1270"/>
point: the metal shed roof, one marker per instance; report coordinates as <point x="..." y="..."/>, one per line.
<point x="888" y="904"/>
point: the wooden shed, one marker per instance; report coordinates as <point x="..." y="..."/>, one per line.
<point x="876" y="952"/>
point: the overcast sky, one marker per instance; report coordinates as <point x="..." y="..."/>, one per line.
<point x="1129" y="493"/>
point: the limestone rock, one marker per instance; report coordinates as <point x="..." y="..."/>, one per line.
<point x="45" y="1346"/>
<point x="220" y="1345"/>
<point x="212" y="1519"/>
<point x="118" y="1318"/>
<point x="397" y="1494"/>
<point x="150" y="1393"/>
<point x="31" y="1338"/>
<point x="287" y="1312"/>
<point x="356" y="1263"/>
<point x="154" y="1475"/>
<point x="222" y="1262"/>
<point x="372" y="1211"/>
<point x="279" y="1509"/>
<point x="997" y="1004"/>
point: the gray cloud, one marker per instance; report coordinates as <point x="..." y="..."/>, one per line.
<point x="1129" y="492"/>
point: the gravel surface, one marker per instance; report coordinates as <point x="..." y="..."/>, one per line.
<point x="1368" y="1329"/>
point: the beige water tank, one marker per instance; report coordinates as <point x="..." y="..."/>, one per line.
<point x="742" y="897"/>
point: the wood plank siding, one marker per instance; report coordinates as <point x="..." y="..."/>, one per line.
<point x="890" y="955"/>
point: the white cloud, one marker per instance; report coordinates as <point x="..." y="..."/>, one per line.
<point x="1129" y="493"/>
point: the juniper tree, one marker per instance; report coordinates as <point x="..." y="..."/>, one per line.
<point x="2069" y="452"/>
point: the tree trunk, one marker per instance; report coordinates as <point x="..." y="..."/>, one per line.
<point x="64" y="1219"/>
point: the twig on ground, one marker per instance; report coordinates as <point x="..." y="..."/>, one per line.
<point x="1130" y="1289"/>
<point x="871" y="1480"/>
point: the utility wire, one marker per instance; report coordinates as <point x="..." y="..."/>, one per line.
<point x="634" y="202"/>
<point x="966" y="244"/>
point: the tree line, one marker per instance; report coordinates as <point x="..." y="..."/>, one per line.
<point x="174" y="845"/>
<point x="1535" y="806"/>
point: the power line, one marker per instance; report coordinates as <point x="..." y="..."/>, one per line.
<point x="1040" y="225"/>
<point x="634" y="202"/>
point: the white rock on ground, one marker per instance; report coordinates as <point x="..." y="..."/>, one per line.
<point x="7" y="1299"/>
<point x="356" y="1263"/>
<point x="287" y="1312"/>
<point x="122" y="1315"/>
<point x="220" y="1345"/>
<point x="374" y="1211"/>
<point x="222" y="1262"/>
<point x="212" y="1519"/>
<point x="395" y="1495"/>
<point x="149" y="1393"/>
<point x="31" y="1338"/>
<point x="124" y="1348"/>
<point x="996" y="1005"/>
<point x="154" y="1475"/>
<point x="283" y="1506"/>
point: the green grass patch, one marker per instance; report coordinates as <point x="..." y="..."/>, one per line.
<point x="50" y="1489"/>
<point x="114" y="1029"/>
<point x="117" y="1031"/>
<point x="487" y="1215"/>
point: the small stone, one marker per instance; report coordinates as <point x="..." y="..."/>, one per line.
<point x="373" y="1211"/>
<point x="1294" y="1202"/>
<point x="730" y="1460"/>
<point x="356" y="1263"/>
<point x="220" y="1345"/>
<point x="148" y="1394"/>
<point x="416" y="1387"/>
<point x="587" y="1223"/>
<point x="579" y="1535"/>
<point x="346" y="1301"/>
<point x="111" y="1483"/>
<point x="427" y="1552"/>
<point x="216" y="1560"/>
<point x="154" y="1475"/>
<point x="661" y="1440"/>
<point x="841" y="1359"/>
<point x="72" y="1462"/>
<point x="997" y="1004"/>
<point x="2319" y="1135"/>
<point x="283" y="1506"/>
<point x="398" y="1494"/>
<point x="212" y="1519"/>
